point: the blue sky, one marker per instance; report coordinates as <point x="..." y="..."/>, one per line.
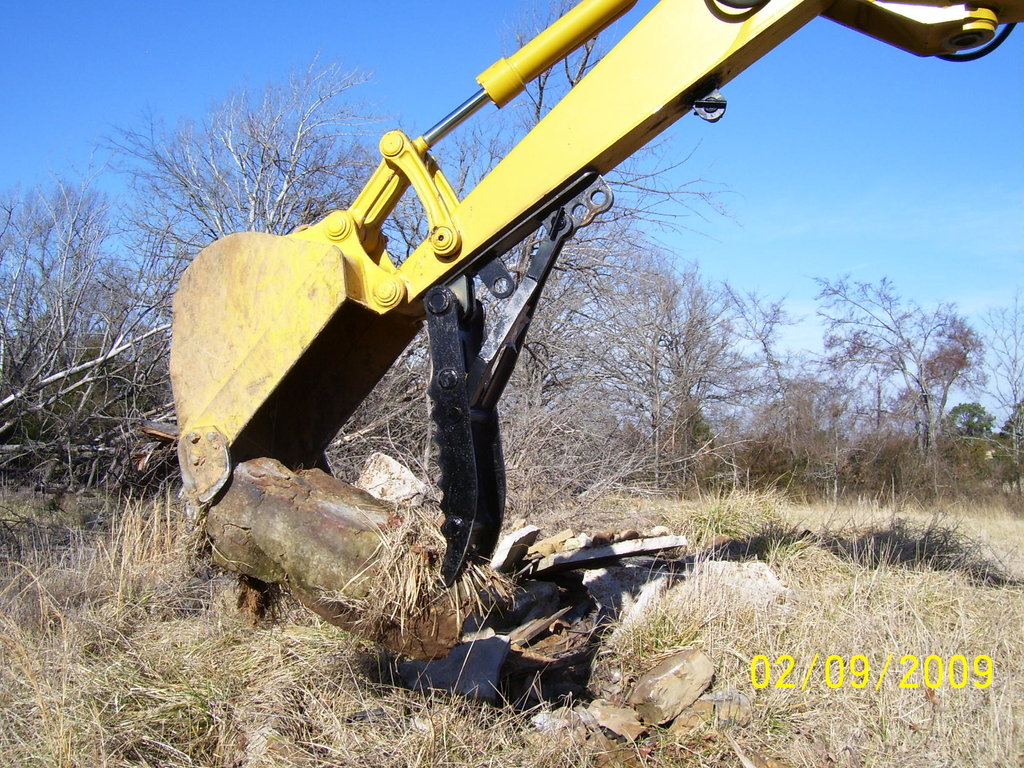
<point x="839" y="154"/>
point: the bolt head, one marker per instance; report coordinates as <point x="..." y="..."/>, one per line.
<point x="444" y="241"/>
<point x="452" y="526"/>
<point x="438" y="301"/>
<point x="448" y="378"/>
<point x="388" y="292"/>
<point x="338" y="225"/>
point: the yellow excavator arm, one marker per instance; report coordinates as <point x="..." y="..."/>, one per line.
<point x="276" y="340"/>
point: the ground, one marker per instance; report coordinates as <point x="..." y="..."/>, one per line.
<point x="120" y="647"/>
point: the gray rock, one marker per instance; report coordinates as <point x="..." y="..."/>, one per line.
<point x="471" y="669"/>
<point x="666" y="690"/>
<point x="730" y="707"/>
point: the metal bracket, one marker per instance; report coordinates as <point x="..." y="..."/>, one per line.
<point x="711" y="107"/>
<point x="492" y="367"/>
<point x="372" y="276"/>
<point x="497" y="278"/>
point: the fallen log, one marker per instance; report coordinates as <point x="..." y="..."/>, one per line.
<point x="356" y="562"/>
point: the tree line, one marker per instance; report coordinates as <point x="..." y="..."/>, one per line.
<point x="639" y="372"/>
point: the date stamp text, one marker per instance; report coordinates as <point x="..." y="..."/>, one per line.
<point x="858" y="671"/>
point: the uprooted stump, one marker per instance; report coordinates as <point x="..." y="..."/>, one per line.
<point x="346" y="556"/>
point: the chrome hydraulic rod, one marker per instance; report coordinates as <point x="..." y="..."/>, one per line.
<point x="456" y="117"/>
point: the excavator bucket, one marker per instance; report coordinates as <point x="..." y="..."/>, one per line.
<point x="269" y="349"/>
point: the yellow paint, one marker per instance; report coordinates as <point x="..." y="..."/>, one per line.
<point x="506" y="78"/>
<point x="246" y="309"/>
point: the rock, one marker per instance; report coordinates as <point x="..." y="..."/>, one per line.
<point x="551" y="543"/>
<point x="597" y="556"/>
<point x="571" y="544"/>
<point x="386" y="479"/>
<point x="627" y="535"/>
<point x="512" y="549"/>
<point x="472" y="669"/>
<point x="722" y="708"/>
<point x="524" y="634"/>
<point x="532" y="599"/>
<point x="543" y="549"/>
<point x="666" y="690"/>
<point x="728" y="707"/>
<point x="478" y="634"/>
<point x="558" y="720"/>
<point x="751" y="582"/>
<point x="660" y="530"/>
<point x="636" y="609"/>
<point x="619" y="720"/>
<point x="690" y="719"/>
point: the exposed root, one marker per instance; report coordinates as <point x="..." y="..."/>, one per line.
<point x="408" y="593"/>
<point x="257" y="600"/>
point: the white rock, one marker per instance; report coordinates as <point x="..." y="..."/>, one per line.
<point x="562" y="719"/>
<point x="471" y="669"/>
<point x="615" y="587"/>
<point x="387" y="479"/>
<point x="636" y="609"/>
<point x="512" y="549"/>
<point x="752" y="582"/>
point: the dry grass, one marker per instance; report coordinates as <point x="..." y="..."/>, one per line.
<point x="407" y="588"/>
<point x="114" y="651"/>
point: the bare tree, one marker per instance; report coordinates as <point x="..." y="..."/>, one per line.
<point x="78" y="346"/>
<point x="928" y="352"/>
<point x="664" y="343"/>
<point x="266" y="162"/>
<point x="1005" y="344"/>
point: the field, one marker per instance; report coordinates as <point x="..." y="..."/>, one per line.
<point x="119" y="647"/>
